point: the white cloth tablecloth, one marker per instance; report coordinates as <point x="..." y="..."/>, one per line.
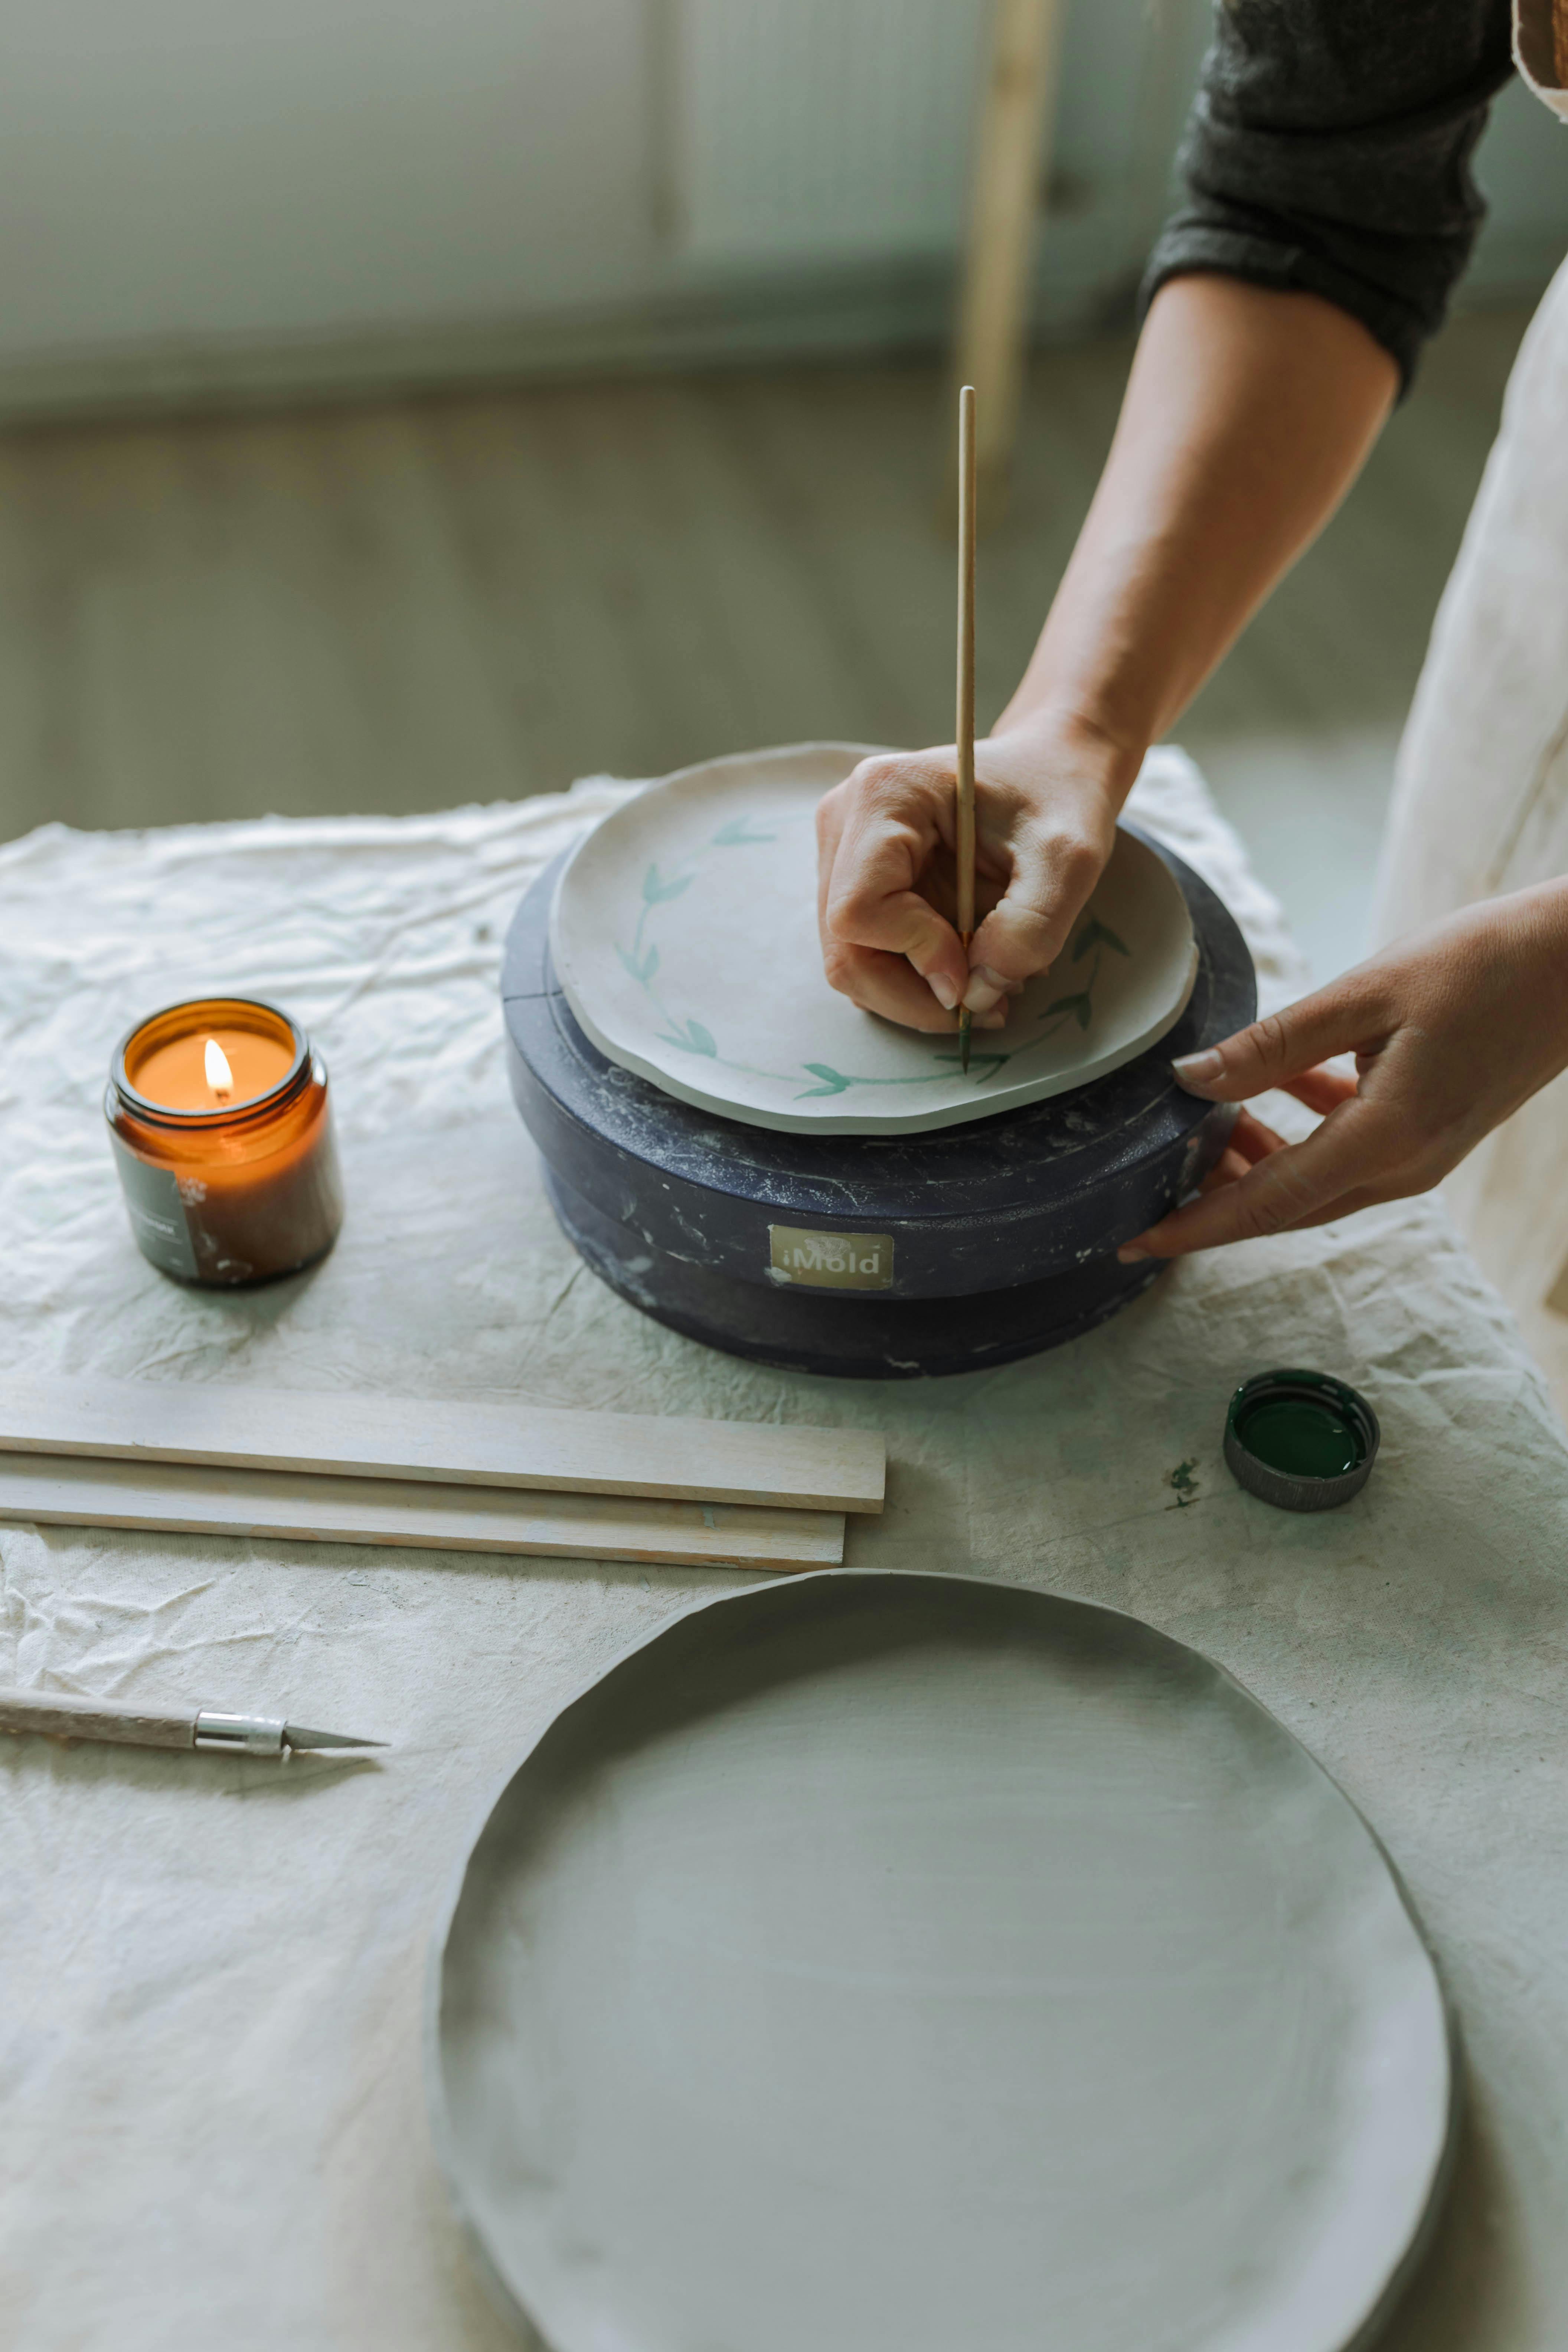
<point x="211" y="1970"/>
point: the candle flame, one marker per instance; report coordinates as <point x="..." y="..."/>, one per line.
<point x="220" y="1077"/>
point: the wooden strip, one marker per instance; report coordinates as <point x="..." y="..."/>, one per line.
<point x="450" y="1442"/>
<point x="189" y="1499"/>
<point x="964" y="712"/>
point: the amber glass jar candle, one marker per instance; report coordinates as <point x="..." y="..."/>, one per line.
<point x="217" y="1112"/>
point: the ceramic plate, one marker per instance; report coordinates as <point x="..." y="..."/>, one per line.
<point x="684" y="935"/>
<point x="896" y="1963"/>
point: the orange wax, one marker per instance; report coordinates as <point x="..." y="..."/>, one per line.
<point x="225" y="1184"/>
<point x="173" y="1075"/>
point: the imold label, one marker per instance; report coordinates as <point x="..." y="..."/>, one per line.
<point x="831" y="1261"/>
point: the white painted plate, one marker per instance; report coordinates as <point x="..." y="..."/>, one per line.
<point x="893" y="1963"/>
<point x="684" y="935"/>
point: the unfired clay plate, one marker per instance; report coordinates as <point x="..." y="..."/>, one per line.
<point x="895" y="1963"/>
<point x="684" y="935"/>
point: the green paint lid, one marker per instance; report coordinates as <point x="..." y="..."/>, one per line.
<point x="1300" y="1439"/>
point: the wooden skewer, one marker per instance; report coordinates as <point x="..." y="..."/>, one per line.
<point x="964" y="729"/>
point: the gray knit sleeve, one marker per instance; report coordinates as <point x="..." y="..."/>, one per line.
<point x="1329" y="151"/>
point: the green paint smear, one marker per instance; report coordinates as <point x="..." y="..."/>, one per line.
<point x="1302" y="1439"/>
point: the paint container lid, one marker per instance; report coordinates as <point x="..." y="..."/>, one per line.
<point x="1300" y="1439"/>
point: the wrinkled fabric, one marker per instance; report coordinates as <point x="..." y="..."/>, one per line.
<point x="212" y="1972"/>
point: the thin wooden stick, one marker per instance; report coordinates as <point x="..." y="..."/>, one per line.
<point x="964" y="730"/>
<point x="79" y="1491"/>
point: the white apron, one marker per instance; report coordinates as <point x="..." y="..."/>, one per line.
<point x="1480" y="797"/>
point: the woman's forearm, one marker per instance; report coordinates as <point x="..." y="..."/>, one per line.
<point x="1247" y="416"/>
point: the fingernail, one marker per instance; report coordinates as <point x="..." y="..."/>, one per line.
<point x="996" y="1019"/>
<point x="1198" y="1069"/>
<point x="1130" y="1254"/>
<point x="984" y="987"/>
<point x="942" y="989"/>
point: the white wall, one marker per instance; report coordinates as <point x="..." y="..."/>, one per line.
<point x="222" y="167"/>
<point x="809" y="131"/>
<point x="213" y="186"/>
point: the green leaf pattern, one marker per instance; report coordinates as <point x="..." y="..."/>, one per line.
<point x="833" y="1082"/>
<point x="1081" y="1005"/>
<point x="691" y="1038"/>
<point x="1095" y="934"/>
<point x="736" y="836"/>
<point x="689" y="1035"/>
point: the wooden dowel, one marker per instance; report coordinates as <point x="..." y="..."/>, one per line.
<point x="77" y="1491"/>
<point x="965" y="698"/>
<point x="964" y="726"/>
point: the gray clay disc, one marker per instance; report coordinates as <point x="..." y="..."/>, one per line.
<point x="898" y="1963"/>
<point x="684" y="934"/>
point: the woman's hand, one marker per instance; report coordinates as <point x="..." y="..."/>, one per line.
<point x="1248" y="411"/>
<point x="1452" y="1031"/>
<point x="1044" y="804"/>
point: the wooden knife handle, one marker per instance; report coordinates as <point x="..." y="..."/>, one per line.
<point x="62" y="1715"/>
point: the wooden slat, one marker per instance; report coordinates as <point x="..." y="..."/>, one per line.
<point x="188" y="1499"/>
<point x="340" y="1434"/>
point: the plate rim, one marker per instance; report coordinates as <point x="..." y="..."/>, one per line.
<point x="829" y="1122"/>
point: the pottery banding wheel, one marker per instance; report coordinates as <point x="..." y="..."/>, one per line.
<point x="881" y="1255"/>
<point x="684" y="934"/>
<point x="889" y="1963"/>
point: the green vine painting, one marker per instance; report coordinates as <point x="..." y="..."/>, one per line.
<point x="1092" y="941"/>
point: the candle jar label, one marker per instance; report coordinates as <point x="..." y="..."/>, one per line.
<point x="157" y="1209"/>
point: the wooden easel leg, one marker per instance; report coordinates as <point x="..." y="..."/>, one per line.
<point x="1011" y="158"/>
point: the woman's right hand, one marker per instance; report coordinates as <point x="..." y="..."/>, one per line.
<point x="1046" y="799"/>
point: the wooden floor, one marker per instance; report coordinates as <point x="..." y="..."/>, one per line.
<point x="403" y="606"/>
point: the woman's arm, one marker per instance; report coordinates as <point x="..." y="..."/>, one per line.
<point x="1329" y="210"/>
<point x="1247" y="417"/>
